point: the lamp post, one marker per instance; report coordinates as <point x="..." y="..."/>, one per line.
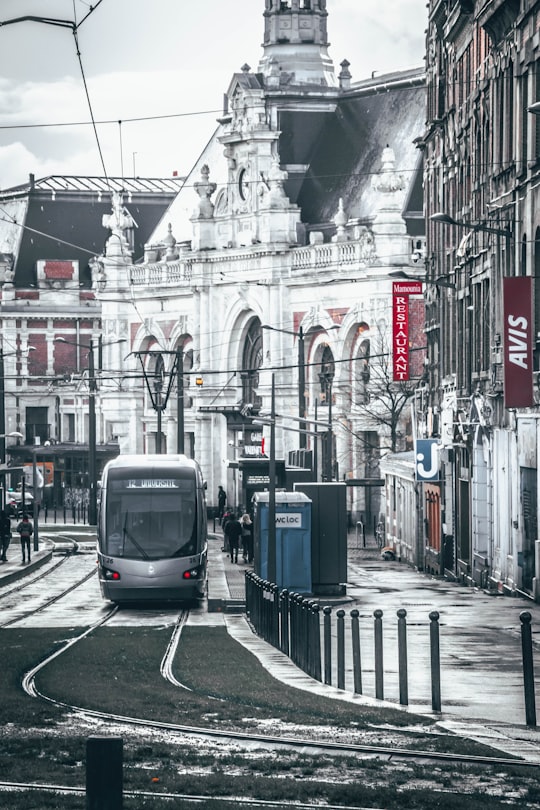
<point x="326" y="378"/>
<point x="92" y="465"/>
<point x="92" y="440"/>
<point x="272" y="567"/>
<point x="301" y="375"/>
<point x="180" y="400"/>
<point x="445" y="219"/>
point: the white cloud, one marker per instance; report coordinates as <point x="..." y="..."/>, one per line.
<point x="148" y="59"/>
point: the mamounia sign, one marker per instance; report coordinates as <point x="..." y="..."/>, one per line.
<point x="400" y="326"/>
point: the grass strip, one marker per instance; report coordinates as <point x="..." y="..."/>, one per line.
<point x="117" y="670"/>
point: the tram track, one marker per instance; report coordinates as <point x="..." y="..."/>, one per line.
<point x="250" y="739"/>
<point x="185" y="798"/>
<point x="50" y="601"/>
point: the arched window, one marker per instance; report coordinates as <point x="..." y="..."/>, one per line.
<point x="252" y="357"/>
<point x="326" y="375"/>
<point x="362" y="371"/>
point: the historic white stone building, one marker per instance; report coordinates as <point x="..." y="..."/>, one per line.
<point x="305" y="199"/>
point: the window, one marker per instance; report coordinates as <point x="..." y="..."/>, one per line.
<point x="251" y="363"/>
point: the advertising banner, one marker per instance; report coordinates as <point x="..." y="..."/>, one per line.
<point x="517" y="342"/>
<point x="400" y="326"/>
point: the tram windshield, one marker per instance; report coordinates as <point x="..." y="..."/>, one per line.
<point x="150" y="520"/>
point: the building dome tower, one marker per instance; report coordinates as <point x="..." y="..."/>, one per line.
<point x="296" y="43"/>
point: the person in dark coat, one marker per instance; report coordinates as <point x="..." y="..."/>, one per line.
<point x="26" y="530"/>
<point x="5" y="533"/>
<point x="247" y="538"/>
<point x="233" y="531"/>
<point x="222" y="502"/>
<point x="227" y="515"/>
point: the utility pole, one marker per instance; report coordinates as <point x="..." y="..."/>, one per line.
<point x="180" y="399"/>
<point x="92" y="466"/>
<point x="302" y="387"/>
<point x="272" y="489"/>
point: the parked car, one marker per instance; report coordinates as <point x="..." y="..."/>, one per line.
<point x="14" y="504"/>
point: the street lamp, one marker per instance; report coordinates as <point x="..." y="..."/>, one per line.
<point x="92" y="449"/>
<point x="437" y="282"/>
<point x="301" y="375"/>
<point x="446" y="219"/>
<point x="534" y="108"/>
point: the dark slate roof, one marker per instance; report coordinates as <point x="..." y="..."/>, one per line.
<point x="71" y="209"/>
<point x="343" y="149"/>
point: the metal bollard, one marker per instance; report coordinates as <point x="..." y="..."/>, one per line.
<point x="247" y="585"/>
<point x="528" y="669"/>
<point x="104" y="778"/>
<point x="284" y="627"/>
<point x="275" y="616"/>
<point x="402" y="657"/>
<point x="327" y="611"/>
<point x="304" y="634"/>
<point x="379" y="671"/>
<point x="435" y="661"/>
<point x="357" y="662"/>
<point x="341" y="649"/>
<point x="315" y="645"/>
<point x="293" y="602"/>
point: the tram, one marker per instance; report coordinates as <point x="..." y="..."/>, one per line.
<point x="152" y="529"/>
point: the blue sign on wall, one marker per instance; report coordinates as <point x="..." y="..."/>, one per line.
<point x="427" y="460"/>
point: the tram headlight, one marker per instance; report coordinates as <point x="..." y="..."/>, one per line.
<point x="192" y="573"/>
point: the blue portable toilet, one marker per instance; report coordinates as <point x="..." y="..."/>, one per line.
<point x="293" y="539"/>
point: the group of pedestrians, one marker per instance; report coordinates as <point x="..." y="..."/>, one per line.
<point x="237" y="531"/>
<point x="25" y="530"/>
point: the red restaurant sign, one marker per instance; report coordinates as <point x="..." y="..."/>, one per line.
<point x="400" y="325"/>
<point x="517" y="342"/>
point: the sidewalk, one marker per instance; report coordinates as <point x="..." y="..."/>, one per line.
<point x="375" y="583"/>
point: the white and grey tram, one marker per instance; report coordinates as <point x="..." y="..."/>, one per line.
<point x="152" y="529"/>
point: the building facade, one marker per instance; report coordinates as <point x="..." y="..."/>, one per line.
<point x="50" y="233"/>
<point x="482" y="152"/>
<point x="273" y="266"/>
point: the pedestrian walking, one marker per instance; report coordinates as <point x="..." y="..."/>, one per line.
<point x="26" y="530"/>
<point x="233" y="531"/>
<point x="247" y="538"/>
<point x="227" y="515"/>
<point x="222" y="502"/>
<point x="5" y="533"/>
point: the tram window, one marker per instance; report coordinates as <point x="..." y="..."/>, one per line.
<point x="150" y="526"/>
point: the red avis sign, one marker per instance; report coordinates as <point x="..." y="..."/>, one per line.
<point x="400" y="326"/>
<point x="517" y="342"/>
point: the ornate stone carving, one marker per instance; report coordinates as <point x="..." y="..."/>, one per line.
<point x="205" y="189"/>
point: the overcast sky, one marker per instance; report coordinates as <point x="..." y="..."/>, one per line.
<point x="144" y="58"/>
